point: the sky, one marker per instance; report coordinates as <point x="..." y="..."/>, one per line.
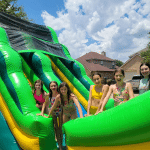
<point x="118" y="27"/>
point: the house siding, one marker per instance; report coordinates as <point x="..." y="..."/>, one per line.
<point x="108" y="64"/>
<point x="106" y="74"/>
<point x="132" y="67"/>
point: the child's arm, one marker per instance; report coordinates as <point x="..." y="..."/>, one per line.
<point x="106" y="98"/>
<point x="54" y="105"/>
<point x="44" y="105"/>
<point x="131" y="94"/>
<point x="89" y="101"/>
<point x="78" y="106"/>
<point x="104" y="91"/>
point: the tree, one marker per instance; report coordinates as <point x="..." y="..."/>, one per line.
<point x="10" y="7"/>
<point x="146" y="54"/>
<point x="118" y="63"/>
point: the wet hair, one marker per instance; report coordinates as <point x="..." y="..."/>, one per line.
<point x="68" y="92"/>
<point x="109" y="81"/>
<point x="41" y="83"/>
<point x="50" y="91"/>
<point x="119" y="70"/>
<point x="96" y="73"/>
<point x="146" y="64"/>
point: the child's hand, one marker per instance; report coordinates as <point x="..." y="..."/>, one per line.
<point x="117" y="100"/>
<point x="121" y="102"/>
<point x="46" y="116"/>
<point x="86" y="115"/>
<point x="40" y="114"/>
<point x="98" y="112"/>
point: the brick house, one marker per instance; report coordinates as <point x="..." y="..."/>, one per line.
<point x="131" y="66"/>
<point x="94" y="61"/>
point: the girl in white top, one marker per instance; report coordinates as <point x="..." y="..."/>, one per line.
<point x="145" y="74"/>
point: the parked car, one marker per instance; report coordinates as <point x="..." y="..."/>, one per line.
<point x="135" y="82"/>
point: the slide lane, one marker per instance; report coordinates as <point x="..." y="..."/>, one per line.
<point x="37" y="64"/>
<point x="33" y="130"/>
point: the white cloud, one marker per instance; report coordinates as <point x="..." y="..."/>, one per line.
<point x="85" y="25"/>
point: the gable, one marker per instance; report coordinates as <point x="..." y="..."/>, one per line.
<point x="132" y="64"/>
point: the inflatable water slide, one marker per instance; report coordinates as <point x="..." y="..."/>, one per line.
<point x="29" y="52"/>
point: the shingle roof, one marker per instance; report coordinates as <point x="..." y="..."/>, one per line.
<point x="92" y="66"/>
<point x="94" y="55"/>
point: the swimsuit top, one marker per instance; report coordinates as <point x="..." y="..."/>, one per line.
<point x="144" y="86"/>
<point x="39" y="98"/>
<point x="69" y="106"/>
<point x="123" y="95"/>
<point x="57" y="109"/>
<point x="96" y="95"/>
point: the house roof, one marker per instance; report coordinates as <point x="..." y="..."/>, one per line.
<point x="92" y="66"/>
<point x="94" y="55"/>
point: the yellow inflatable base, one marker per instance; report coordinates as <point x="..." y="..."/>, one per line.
<point x="25" y="141"/>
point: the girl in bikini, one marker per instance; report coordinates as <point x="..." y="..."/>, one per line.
<point x="67" y="101"/>
<point x="57" y="113"/>
<point x="145" y="81"/>
<point x="122" y="91"/>
<point x="97" y="93"/>
<point x="39" y="94"/>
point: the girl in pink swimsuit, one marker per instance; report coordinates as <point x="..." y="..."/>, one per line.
<point x="39" y="93"/>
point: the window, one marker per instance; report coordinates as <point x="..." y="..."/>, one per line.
<point x="101" y="62"/>
<point x="89" y="61"/>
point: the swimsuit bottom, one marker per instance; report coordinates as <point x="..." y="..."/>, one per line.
<point x="56" y="112"/>
<point x="69" y="114"/>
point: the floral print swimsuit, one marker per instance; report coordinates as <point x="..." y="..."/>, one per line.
<point x="121" y="94"/>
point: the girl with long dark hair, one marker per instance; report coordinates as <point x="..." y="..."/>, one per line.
<point x="122" y="91"/>
<point x="67" y="100"/>
<point x="56" y="113"/>
<point x="39" y="94"/>
<point x="145" y="75"/>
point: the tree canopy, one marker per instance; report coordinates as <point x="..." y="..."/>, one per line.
<point x="119" y="63"/>
<point x="10" y="7"/>
<point x="146" y="54"/>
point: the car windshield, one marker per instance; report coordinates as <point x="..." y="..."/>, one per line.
<point x="136" y="78"/>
